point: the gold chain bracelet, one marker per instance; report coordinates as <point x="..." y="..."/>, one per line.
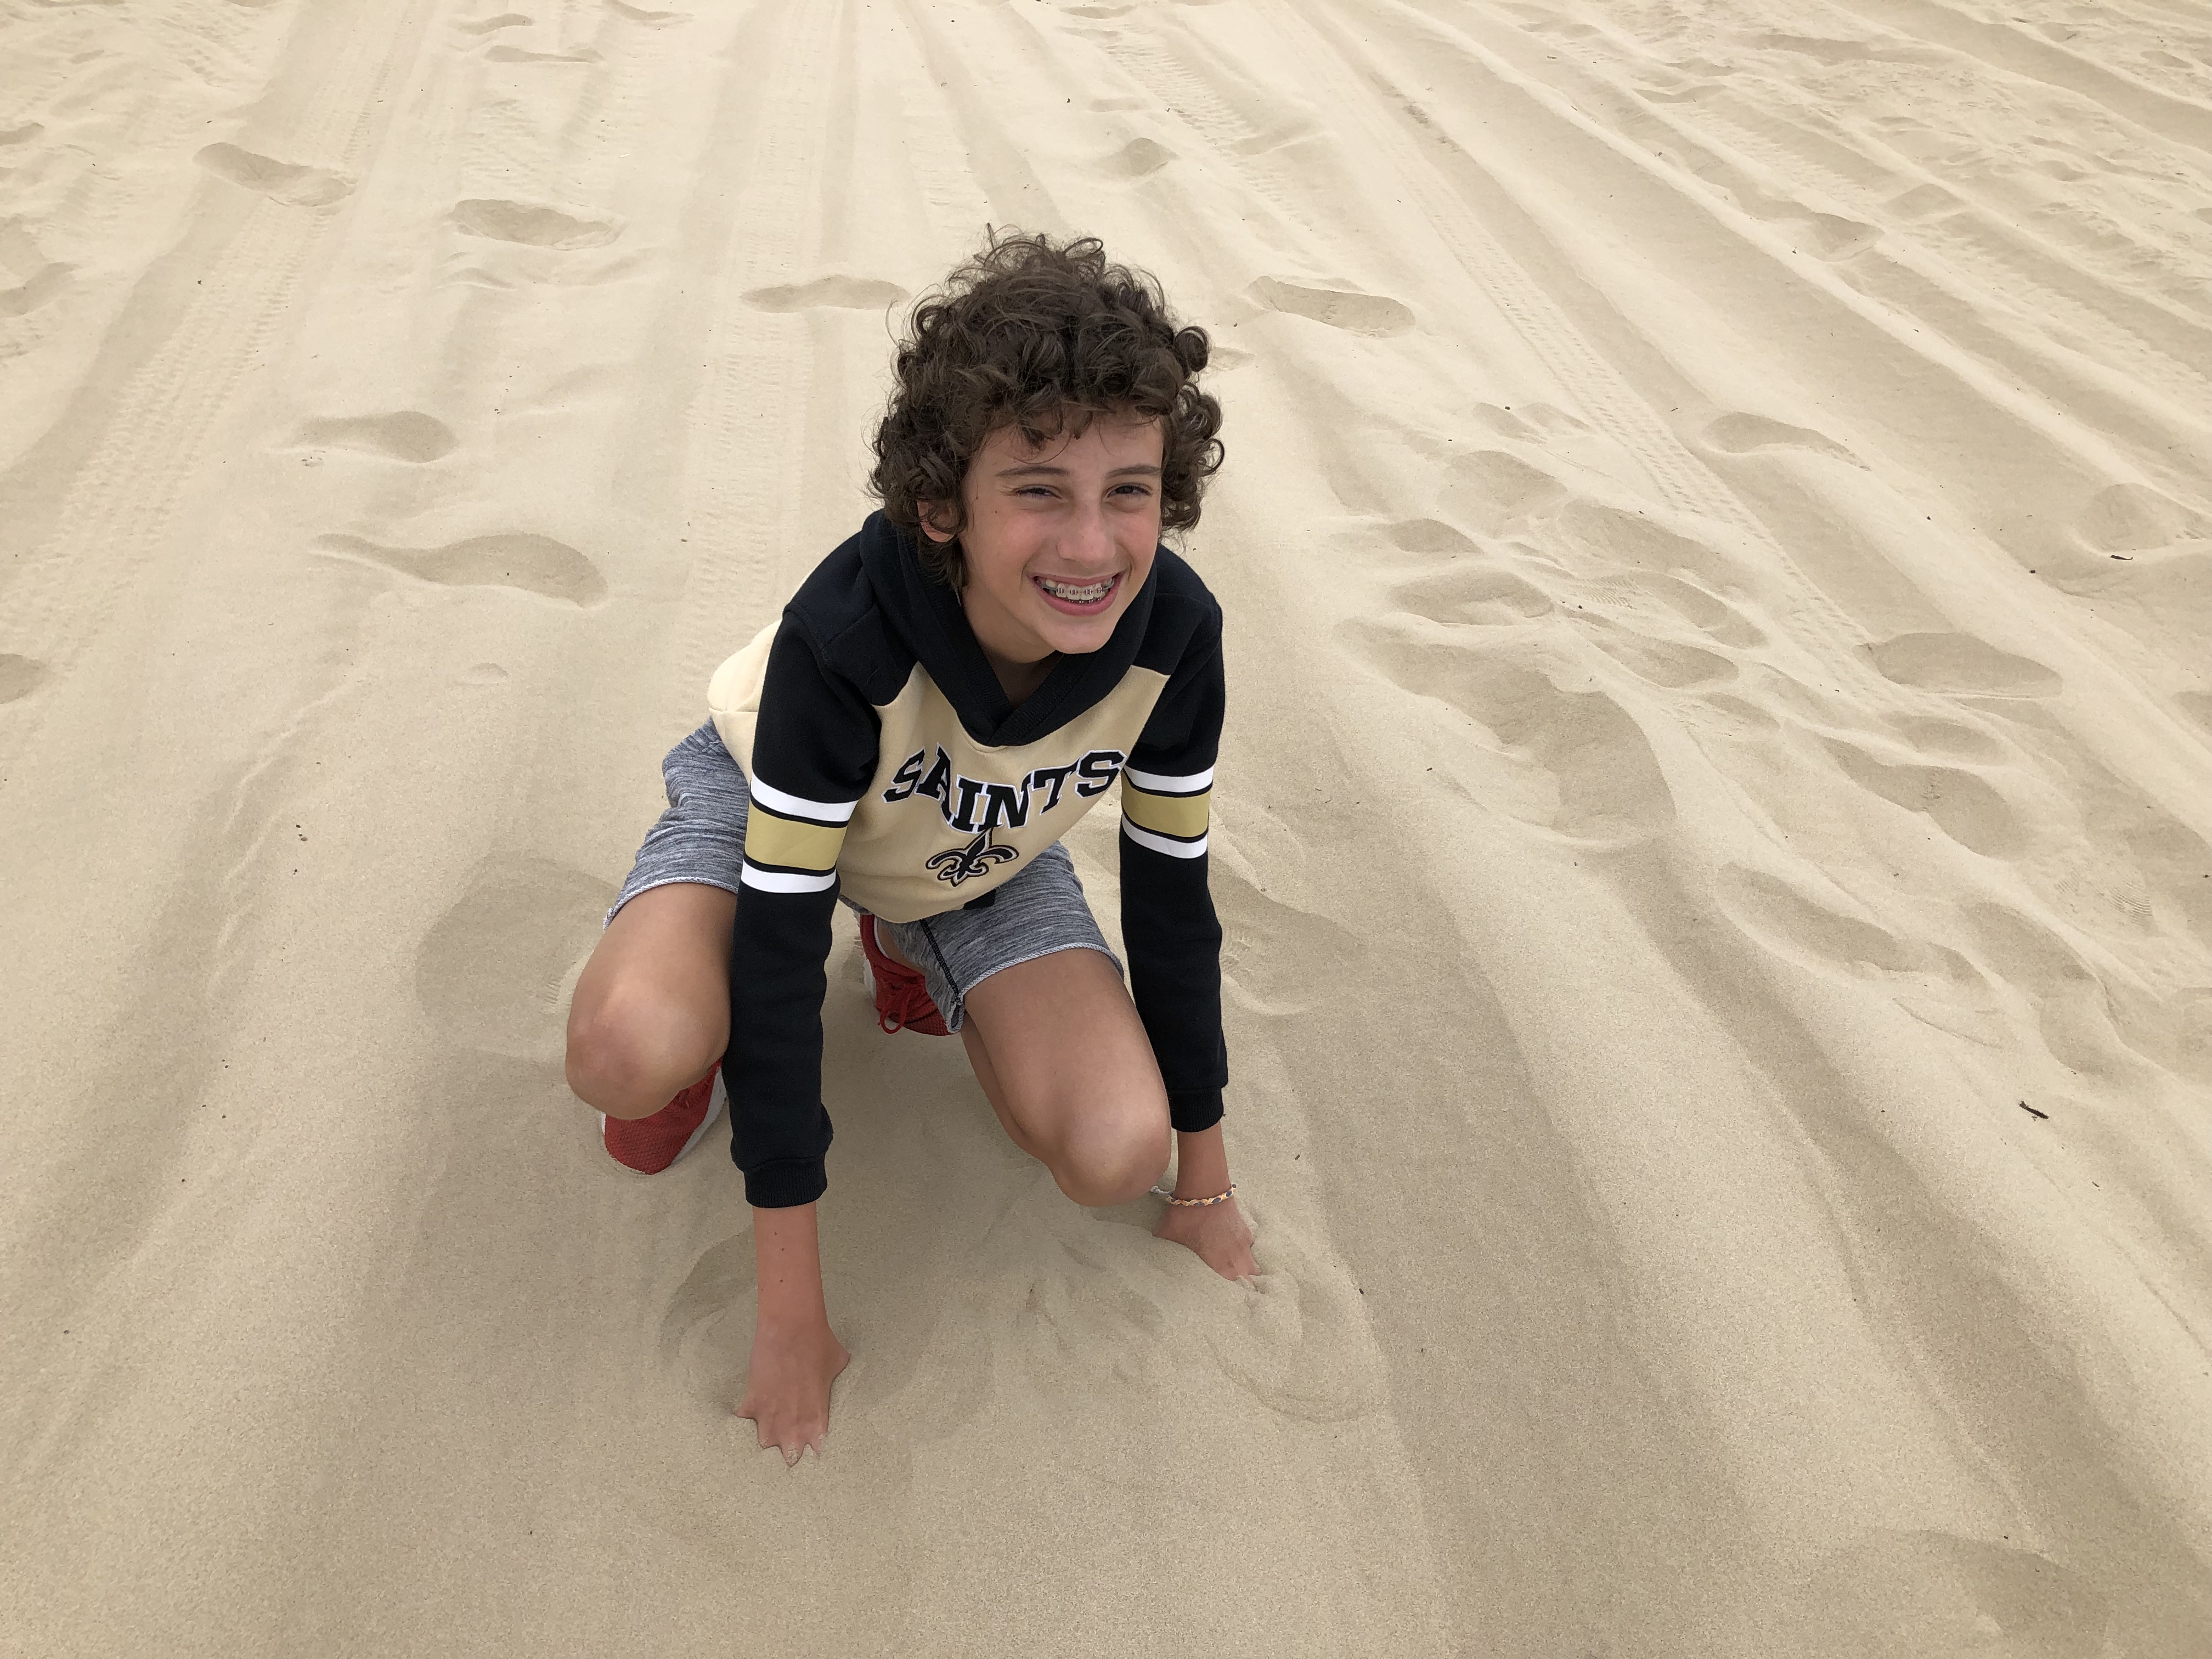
<point x="1190" y="1203"/>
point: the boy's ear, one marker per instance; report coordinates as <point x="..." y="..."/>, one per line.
<point x="930" y="517"/>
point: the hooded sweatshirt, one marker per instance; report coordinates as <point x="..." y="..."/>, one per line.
<point x="886" y="763"/>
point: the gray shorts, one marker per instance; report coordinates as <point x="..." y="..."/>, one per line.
<point x="702" y="838"/>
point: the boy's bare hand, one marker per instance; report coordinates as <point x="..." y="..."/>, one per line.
<point x="788" y="1384"/>
<point x="1217" y="1233"/>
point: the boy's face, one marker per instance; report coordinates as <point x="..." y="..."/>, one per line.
<point x="1059" y="535"/>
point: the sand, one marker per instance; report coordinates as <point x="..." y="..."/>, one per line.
<point x="1712" y="833"/>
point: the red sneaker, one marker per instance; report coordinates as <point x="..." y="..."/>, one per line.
<point x="902" y="1002"/>
<point x="650" y="1144"/>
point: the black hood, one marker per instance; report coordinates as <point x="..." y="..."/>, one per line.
<point x="926" y="615"/>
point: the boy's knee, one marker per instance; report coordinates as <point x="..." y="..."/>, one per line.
<point x="630" y="1062"/>
<point x="1113" y="1164"/>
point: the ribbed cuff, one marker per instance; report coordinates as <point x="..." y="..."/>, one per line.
<point x="1193" y="1109"/>
<point x="785" y="1183"/>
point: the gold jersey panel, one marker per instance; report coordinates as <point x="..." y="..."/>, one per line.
<point x="945" y="819"/>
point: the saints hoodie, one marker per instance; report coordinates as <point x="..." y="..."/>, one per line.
<point x="885" y="763"/>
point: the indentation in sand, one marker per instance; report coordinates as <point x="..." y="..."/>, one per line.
<point x="519" y="559"/>
<point x="1493" y="490"/>
<point x="1946" y="739"/>
<point x="1355" y="313"/>
<point x="19" y="675"/>
<point x="706" y="1332"/>
<point x="1964" y="807"/>
<point x="405" y="434"/>
<point x="1271" y="951"/>
<point x="1908" y="1594"/>
<point x="1961" y="663"/>
<point x="846" y="293"/>
<point x="288" y="182"/>
<point x="1298" y="1346"/>
<point x="1138" y="158"/>
<point x="1772" y="911"/>
<point x="532" y="224"/>
<point x="506" y="19"/>
<point x="492" y="972"/>
<point x="1596" y="777"/>
<point x="2134" y="518"/>
<point x="524" y="55"/>
<point x="1710" y="613"/>
<point x="1669" y="663"/>
<point x="43" y="287"/>
<point x="1482" y="593"/>
<point x="1739" y="434"/>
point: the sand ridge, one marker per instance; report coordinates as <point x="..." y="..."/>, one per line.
<point x="1712" y="836"/>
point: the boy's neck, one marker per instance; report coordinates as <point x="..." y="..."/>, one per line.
<point x="1018" y="679"/>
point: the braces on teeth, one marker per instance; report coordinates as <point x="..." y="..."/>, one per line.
<point x="1077" y="595"/>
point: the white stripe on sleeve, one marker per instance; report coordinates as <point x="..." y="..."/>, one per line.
<point x="1174" y="849"/>
<point x="1160" y="784"/>
<point x="798" y="806"/>
<point x="786" y="881"/>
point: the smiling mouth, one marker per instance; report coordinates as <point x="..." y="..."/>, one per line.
<point x="1078" y="597"/>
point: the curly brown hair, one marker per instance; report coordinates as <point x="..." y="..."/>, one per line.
<point x="1042" y="336"/>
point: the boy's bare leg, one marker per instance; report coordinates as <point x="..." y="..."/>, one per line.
<point x="1065" y="1062"/>
<point x="652" y="1008"/>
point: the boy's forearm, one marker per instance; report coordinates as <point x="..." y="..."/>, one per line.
<point x="787" y="1254"/>
<point x="1201" y="1164"/>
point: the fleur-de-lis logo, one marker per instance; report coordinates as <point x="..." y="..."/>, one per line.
<point x="956" y="864"/>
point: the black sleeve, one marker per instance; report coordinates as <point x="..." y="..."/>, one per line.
<point x="1168" y="923"/>
<point x="814" y="752"/>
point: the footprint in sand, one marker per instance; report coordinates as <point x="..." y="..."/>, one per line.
<point x="1668" y="663"/>
<point x="524" y="55"/>
<point x="1923" y="202"/>
<point x="1963" y="806"/>
<point x="1946" y="739"/>
<point x="1710" y="613"/>
<point x="842" y="292"/>
<point x="1633" y="542"/>
<point x="493" y="971"/>
<point x="529" y="563"/>
<point x="532" y="224"/>
<point x="1933" y="983"/>
<point x="506" y="19"/>
<point x="1493" y="491"/>
<point x="405" y="434"/>
<point x="1960" y="663"/>
<point x="2135" y="519"/>
<point x="19" y="677"/>
<point x="43" y="280"/>
<point x="1138" y="159"/>
<point x="2074" y="1008"/>
<point x="1905" y="1595"/>
<point x="645" y="15"/>
<point x="1374" y="314"/>
<point x="1741" y="433"/>
<point x="1587" y="771"/>
<point x="287" y="182"/>
<point x="1478" y="593"/>
<point x="1772" y="911"/>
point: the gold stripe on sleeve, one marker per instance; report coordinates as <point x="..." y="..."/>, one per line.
<point x="789" y="843"/>
<point x="1182" y="816"/>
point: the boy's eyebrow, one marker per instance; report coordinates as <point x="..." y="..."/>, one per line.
<point x="1037" y="468"/>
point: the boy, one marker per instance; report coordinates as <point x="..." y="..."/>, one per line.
<point x="947" y="693"/>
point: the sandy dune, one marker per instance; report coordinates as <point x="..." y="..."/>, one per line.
<point x="1718" y="552"/>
